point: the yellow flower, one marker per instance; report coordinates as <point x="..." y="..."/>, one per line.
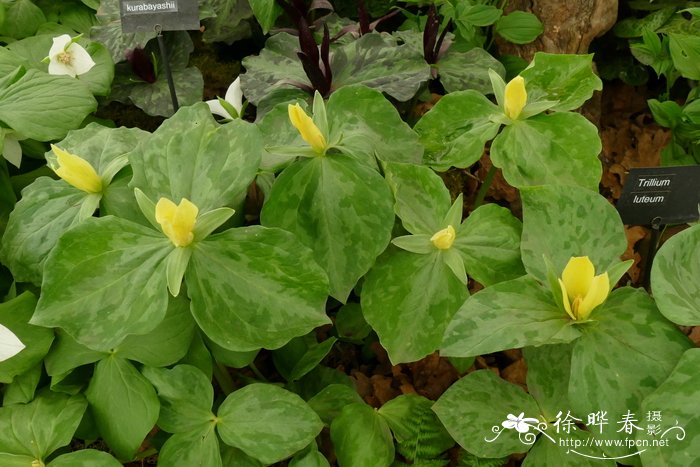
<point x="76" y="171"/>
<point x="444" y="238"/>
<point x="515" y="97"/>
<point x="581" y="289"/>
<point x="307" y="128"/>
<point x="177" y="221"/>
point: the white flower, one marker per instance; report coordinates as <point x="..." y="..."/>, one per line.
<point x="68" y="58"/>
<point x="234" y="97"/>
<point x="10" y="345"/>
<point x="522" y="425"/>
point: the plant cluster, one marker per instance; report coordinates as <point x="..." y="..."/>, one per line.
<point x="140" y="287"/>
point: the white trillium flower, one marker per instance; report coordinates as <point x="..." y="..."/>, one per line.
<point x="521" y="424"/>
<point x="68" y="58"/>
<point x="10" y="345"/>
<point x="234" y="97"/>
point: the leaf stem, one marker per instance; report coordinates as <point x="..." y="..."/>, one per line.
<point x="223" y="378"/>
<point x="257" y="372"/>
<point x="484" y="188"/>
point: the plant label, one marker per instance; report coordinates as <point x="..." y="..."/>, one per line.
<point x="164" y="15"/>
<point x="671" y="194"/>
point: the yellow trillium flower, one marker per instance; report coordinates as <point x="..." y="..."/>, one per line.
<point x="76" y="171"/>
<point x="515" y="97"/>
<point x="177" y="221"/>
<point x="581" y="289"/>
<point x="307" y="128"/>
<point x="444" y="238"/>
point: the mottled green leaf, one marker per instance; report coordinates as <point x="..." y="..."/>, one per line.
<point x="377" y="61"/>
<point x="255" y="287"/>
<point x="474" y="407"/>
<point x="564" y="221"/>
<point x="368" y="126"/>
<point x="460" y="71"/>
<point x="266" y="12"/>
<point x="361" y="437"/>
<point x="44" y="107"/>
<point x="676" y="400"/>
<point x="109" y="31"/>
<point x="42" y="426"/>
<point x="489" y="243"/>
<point x="301" y="355"/>
<point x="67" y="354"/>
<point x="267" y="422"/>
<point x="416" y="428"/>
<point x="186" y="396"/>
<point x="85" y="458"/>
<point x="674" y="277"/>
<point x="192" y="157"/>
<point x="409" y="299"/>
<point x="422" y="199"/>
<point x="124" y="404"/>
<point x="625" y="355"/>
<point x="456" y="129"/>
<point x="562" y="149"/>
<point x="232" y="21"/>
<point x="338" y="207"/>
<point x="548" y="370"/>
<point x="89" y="279"/>
<point x="22" y="18"/>
<point x="560" y="451"/>
<point x="196" y="448"/>
<point x="329" y="402"/>
<point x="15" y="315"/>
<point x="154" y="98"/>
<point x="22" y="388"/>
<point x="507" y="315"/>
<point x="567" y="79"/>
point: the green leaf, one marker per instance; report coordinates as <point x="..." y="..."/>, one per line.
<point x="422" y="199"/>
<point x="42" y="426"/>
<point x="478" y="15"/>
<point x="456" y="129"/>
<point x="15" y="315"/>
<point x="44" y="107"/>
<point x="674" y="276"/>
<point x="338" y="207"/>
<point x="196" y="448"/>
<point x="167" y="343"/>
<point x="175" y="267"/>
<point x="266" y="12"/>
<point x="563" y="150"/>
<point x="301" y="355"/>
<point x="309" y="458"/>
<point x="368" y="126"/>
<point x="675" y="399"/>
<point x="234" y="457"/>
<point x="625" y="355"/>
<point x="22" y="388"/>
<point x="519" y="27"/>
<point x="329" y="402"/>
<point x="685" y="53"/>
<point x="567" y="79"/>
<point x="67" y="354"/>
<point x="88" y="287"/>
<point x="186" y="397"/>
<point x="473" y="408"/>
<point x="124" y="404"/>
<point x="109" y="31"/>
<point x="460" y="71"/>
<point x="489" y="243"/>
<point x="418" y="431"/>
<point x="419" y="244"/>
<point x="361" y="437"/>
<point x="85" y="458"/>
<point x="667" y="113"/>
<point x="635" y="27"/>
<point x="199" y="356"/>
<point x="560" y="222"/>
<point x="267" y="422"/>
<point x="584" y="453"/>
<point x="255" y="287"/>
<point x="191" y="156"/>
<point x="154" y="98"/>
<point x="350" y="323"/>
<point x="22" y="19"/>
<point x="409" y="299"/>
<point x="232" y="22"/>
<point x="507" y="315"/>
<point x="229" y="357"/>
<point x="548" y="370"/>
<point x="15" y="460"/>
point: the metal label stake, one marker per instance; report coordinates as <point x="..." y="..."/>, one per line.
<point x="166" y="66"/>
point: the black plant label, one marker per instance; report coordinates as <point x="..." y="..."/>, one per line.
<point x="159" y="15"/>
<point x="660" y="195"/>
